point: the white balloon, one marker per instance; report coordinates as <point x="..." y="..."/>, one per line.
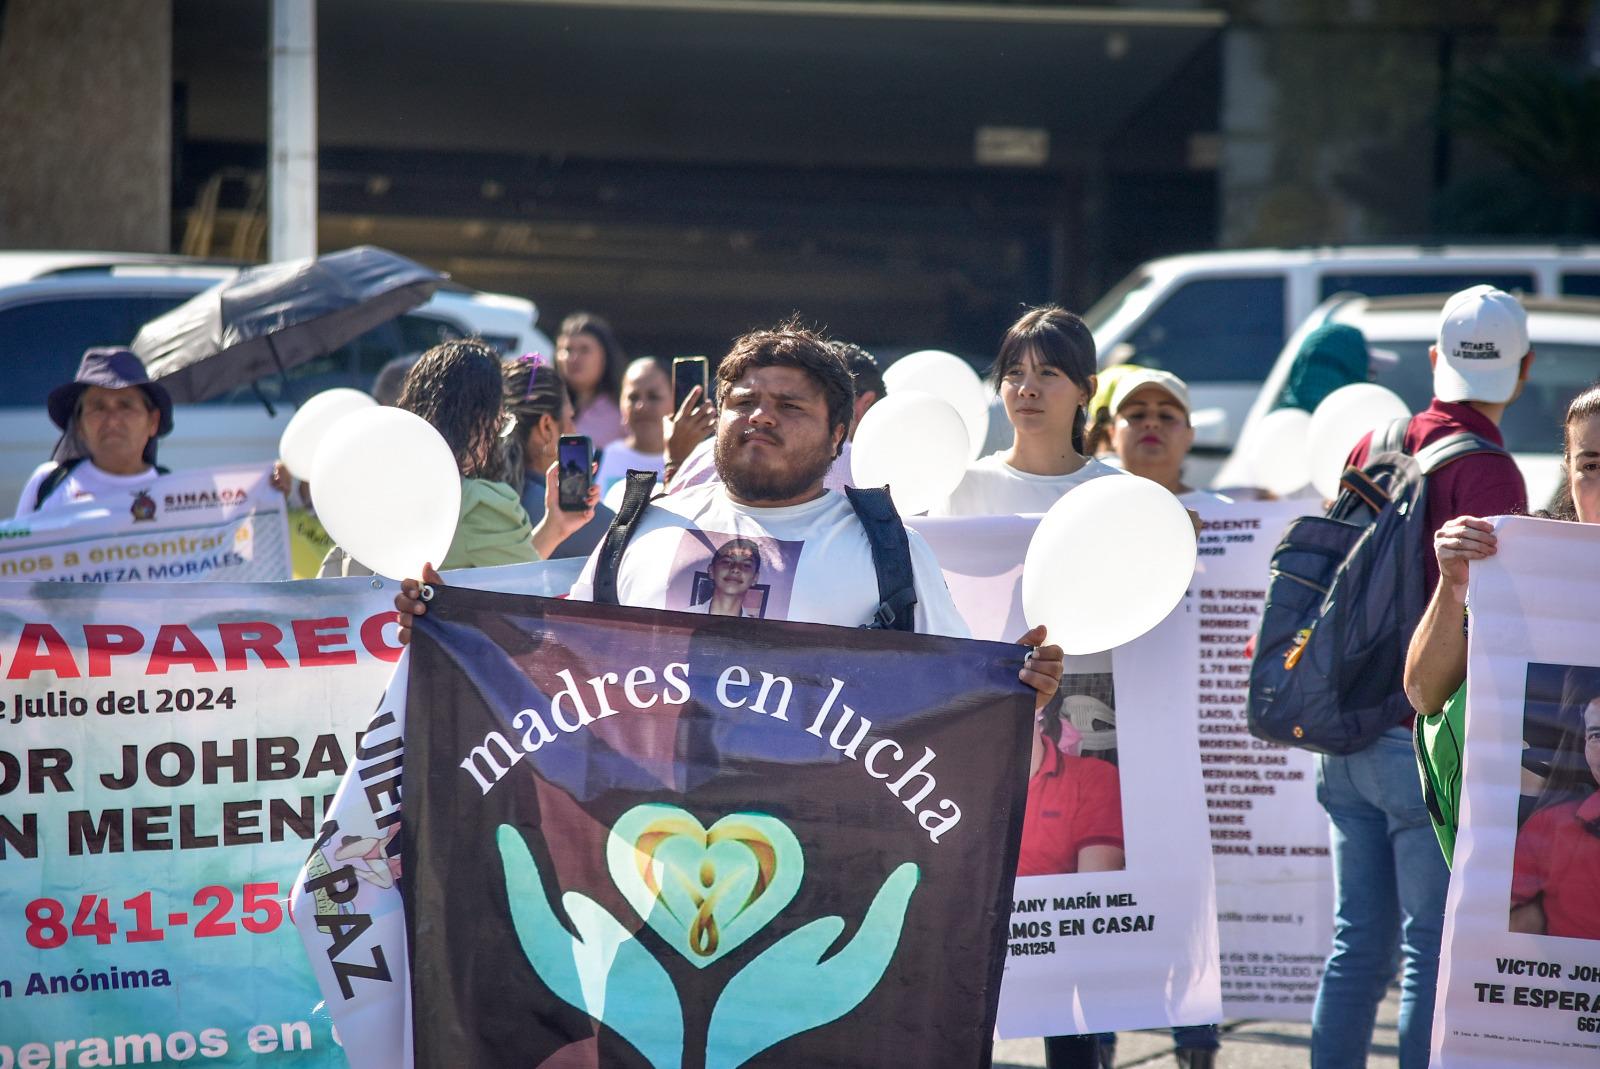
<point x="311" y="423"/>
<point x="1107" y="563"/>
<point x="946" y="376"/>
<point x="387" y="490"/>
<point x="1338" y="424"/>
<point x="1278" y="451"/>
<point x="916" y="444"/>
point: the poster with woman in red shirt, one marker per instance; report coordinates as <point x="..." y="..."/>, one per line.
<point x="1555" y="882"/>
<point x="1073" y="821"/>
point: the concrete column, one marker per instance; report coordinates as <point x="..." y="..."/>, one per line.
<point x="292" y="183"/>
<point x="86" y="124"/>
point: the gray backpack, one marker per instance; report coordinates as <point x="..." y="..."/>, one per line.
<point x="1346" y="593"/>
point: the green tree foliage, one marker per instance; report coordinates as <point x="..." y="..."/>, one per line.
<point x="1538" y="124"/>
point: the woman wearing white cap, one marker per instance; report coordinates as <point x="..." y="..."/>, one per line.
<point x="1152" y="435"/>
<point x="1151" y="432"/>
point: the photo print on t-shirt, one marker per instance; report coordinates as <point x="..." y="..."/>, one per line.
<point x="733" y="575"/>
<point x="1073" y="822"/>
<point x="1555" y="874"/>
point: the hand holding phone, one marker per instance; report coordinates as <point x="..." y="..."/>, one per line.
<point x="694" y="418"/>
<point x="575" y="455"/>
<point x="687" y="373"/>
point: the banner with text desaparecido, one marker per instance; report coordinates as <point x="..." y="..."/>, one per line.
<point x="167" y="755"/>
<point x="1269" y="835"/>
<point x="1519" y="975"/>
<point x="1114" y="913"/>
<point x="222" y="524"/>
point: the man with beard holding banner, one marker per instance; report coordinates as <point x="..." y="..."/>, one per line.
<point x="785" y="398"/>
<point x="664" y="839"/>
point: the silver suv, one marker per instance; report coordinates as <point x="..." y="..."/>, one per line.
<point x="53" y="306"/>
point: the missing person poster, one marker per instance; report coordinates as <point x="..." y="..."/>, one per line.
<point x="635" y="838"/>
<point x="168" y="753"/>
<point x="1269" y="835"/>
<point x="219" y="524"/>
<point x="1519" y="980"/>
<point x="1113" y="922"/>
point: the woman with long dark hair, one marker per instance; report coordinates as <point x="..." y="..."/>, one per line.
<point x="1045" y="376"/>
<point x="539" y="411"/>
<point x="456" y="387"/>
<point x="590" y="361"/>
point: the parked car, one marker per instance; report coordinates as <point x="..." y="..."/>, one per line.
<point x="1565" y="333"/>
<point x="53" y="306"/>
<point x="1218" y="319"/>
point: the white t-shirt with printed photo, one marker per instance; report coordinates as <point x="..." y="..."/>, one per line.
<point x="815" y="562"/>
<point x="86" y="484"/>
<point x="992" y="487"/>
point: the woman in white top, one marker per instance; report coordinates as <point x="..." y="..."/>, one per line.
<point x="1151" y="434"/>
<point x="1045" y="375"/>
<point x="646" y="404"/>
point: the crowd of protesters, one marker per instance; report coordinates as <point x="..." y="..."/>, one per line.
<point x="756" y="461"/>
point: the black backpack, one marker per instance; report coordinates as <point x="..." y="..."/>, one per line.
<point x="58" y="475"/>
<point x="1346" y="592"/>
<point x="886" y="534"/>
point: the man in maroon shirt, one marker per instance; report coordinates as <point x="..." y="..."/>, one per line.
<point x="1389" y="876"/>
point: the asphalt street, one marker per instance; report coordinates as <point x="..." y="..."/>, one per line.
<point x="1245" y="1045"/>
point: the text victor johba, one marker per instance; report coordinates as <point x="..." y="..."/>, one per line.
<point x="642" y="688"/>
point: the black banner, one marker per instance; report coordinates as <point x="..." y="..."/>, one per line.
<point x="649" y="839"/>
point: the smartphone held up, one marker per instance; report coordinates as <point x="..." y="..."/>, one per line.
<point x="687" y="373"/>
<point x="575" y="457"/>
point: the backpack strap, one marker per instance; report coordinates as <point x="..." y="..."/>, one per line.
<point x="635" y="499"/>
<point x="1363" y="486"/>
<point x="891" y="557"/>
<point x="57" y="476"/>
<point x="1430" y="458"/>
<point x="1356" y="485"/>
<point x="1391" y="439"/>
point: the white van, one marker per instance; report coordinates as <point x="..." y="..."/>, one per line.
<point x="53" y="306"/>
<point x="1218" y="320"/>
<point x="1565" y="335"/>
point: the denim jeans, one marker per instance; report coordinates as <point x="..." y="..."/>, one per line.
<point x="1389" y="889"/>
<point x="1094" y="1051"/>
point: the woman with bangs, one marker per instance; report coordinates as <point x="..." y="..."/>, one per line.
<point x="1045" y="375"/>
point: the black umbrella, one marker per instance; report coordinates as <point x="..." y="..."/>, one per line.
<point x="268" y="319"/>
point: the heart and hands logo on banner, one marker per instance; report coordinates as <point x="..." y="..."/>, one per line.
<point x="715" y="887"/>
<point x="704" y="891"/>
